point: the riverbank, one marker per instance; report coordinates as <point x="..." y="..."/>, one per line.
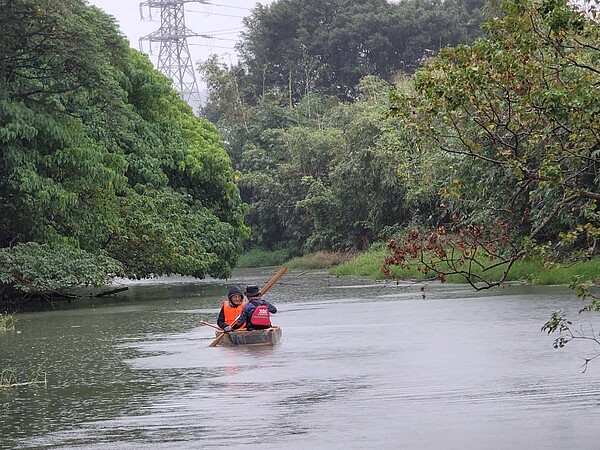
<point x="318" y="260"/>
<point x="369" y="264"/>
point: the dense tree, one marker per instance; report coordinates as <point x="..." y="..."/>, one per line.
<point x="302" y="46"/>
<point x="101" y="159"/>
<point x="322" y="175"/>
<point x="361" y="185"/>
<point x="515" y="116"/>
<point x="318" y="174"/>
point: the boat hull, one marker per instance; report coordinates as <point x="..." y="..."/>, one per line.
<point x="268" y="337"/>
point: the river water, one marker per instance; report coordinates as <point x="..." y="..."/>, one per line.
<point x="361" y="365"/>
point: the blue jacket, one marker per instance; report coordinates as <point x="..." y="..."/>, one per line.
<point x="249" y="309"/>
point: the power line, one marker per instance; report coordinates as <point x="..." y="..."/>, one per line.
<point x="208" y="36"/>
<point x="226" y="31"/>
<point x="212" y="46"/>
<point x="233" y="7"/>
<point x="222" y="34"/>
<point x="214" y="14"/>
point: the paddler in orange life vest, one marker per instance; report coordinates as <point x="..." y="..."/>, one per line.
<point x="256" y="313"/>
<point x="231" y="309"/>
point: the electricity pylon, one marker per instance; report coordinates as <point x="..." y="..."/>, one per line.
<point x="174" y="55"/>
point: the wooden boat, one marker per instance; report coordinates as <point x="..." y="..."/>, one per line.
<point x="270" y="336"/>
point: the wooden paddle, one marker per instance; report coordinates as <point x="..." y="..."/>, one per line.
<point x="263" y="291"/>
<point x="219" y="337"/>
<point x="210" y="325"/>
<point x="273" y="280"/>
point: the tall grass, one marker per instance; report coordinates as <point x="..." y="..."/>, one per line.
<point x="7" y="322"/>
<point x="367" y="264"/>
<point x="8" y="377"/>
<point x="319" y="260"/>
<point x="263" y="258"/>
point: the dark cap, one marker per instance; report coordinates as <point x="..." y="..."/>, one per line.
<point x="252" y="291"/>
<point x="233" y="291"/>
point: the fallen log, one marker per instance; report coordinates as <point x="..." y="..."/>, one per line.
<point x="111" y="292"/>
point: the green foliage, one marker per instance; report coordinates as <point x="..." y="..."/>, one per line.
<point x="366" y="264"/>
<point x="7" y="322"/>
<point x="163" y="232"/>
<point x="540" y="272"/>
<point x="322" y="175"/>
<point x="100" y="156"/>
<point x="524" y="270"/>
<point x="45" y="268"/>
<point x="8" y="377"/>
<point x="518" y="110"/>
<point x="513" y="117"/>
<point x="319" y="174"/>
<point x="558" y="323"/>
<point x="262" y="258"/>
<point x="300" y="46"/>
<point x="318" y="260"/>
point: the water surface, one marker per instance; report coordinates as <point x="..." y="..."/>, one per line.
<point x="361" y="365"/>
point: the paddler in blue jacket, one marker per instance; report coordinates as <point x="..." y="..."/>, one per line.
<point x="256" y="313"/>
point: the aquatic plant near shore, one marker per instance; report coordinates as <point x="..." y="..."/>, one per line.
<point x="8" y="377"/>
<point x="7" y="322"/>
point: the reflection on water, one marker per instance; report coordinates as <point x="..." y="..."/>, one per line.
<point x="361" y="365"/>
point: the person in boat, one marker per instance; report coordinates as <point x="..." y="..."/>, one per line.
<point x="231" y="308"/>
<point x="256" y="314"/>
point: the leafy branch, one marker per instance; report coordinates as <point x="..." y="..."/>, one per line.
<point x="558" y="323"/>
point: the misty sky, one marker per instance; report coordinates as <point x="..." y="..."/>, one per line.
<point x="221" y="19"/>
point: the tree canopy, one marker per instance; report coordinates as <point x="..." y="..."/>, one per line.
<point x="304" y="116"/>
<point x="101" y="158"/>
<point x="515" y="117"/>
<point x="301" y="46"/>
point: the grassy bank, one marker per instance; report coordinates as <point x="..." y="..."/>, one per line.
<point x="318" y="260"/>
<point x="369" y="264"/>
<point x="263" y="258"/>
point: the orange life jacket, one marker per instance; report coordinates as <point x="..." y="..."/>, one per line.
<point x="232" y="313"/>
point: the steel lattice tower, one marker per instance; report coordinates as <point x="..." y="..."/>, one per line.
<point x="174" y="55"/>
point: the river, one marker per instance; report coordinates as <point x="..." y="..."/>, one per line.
<point x="361" y="365"/>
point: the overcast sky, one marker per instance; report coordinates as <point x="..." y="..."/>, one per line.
<point x="221" y="19"/>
